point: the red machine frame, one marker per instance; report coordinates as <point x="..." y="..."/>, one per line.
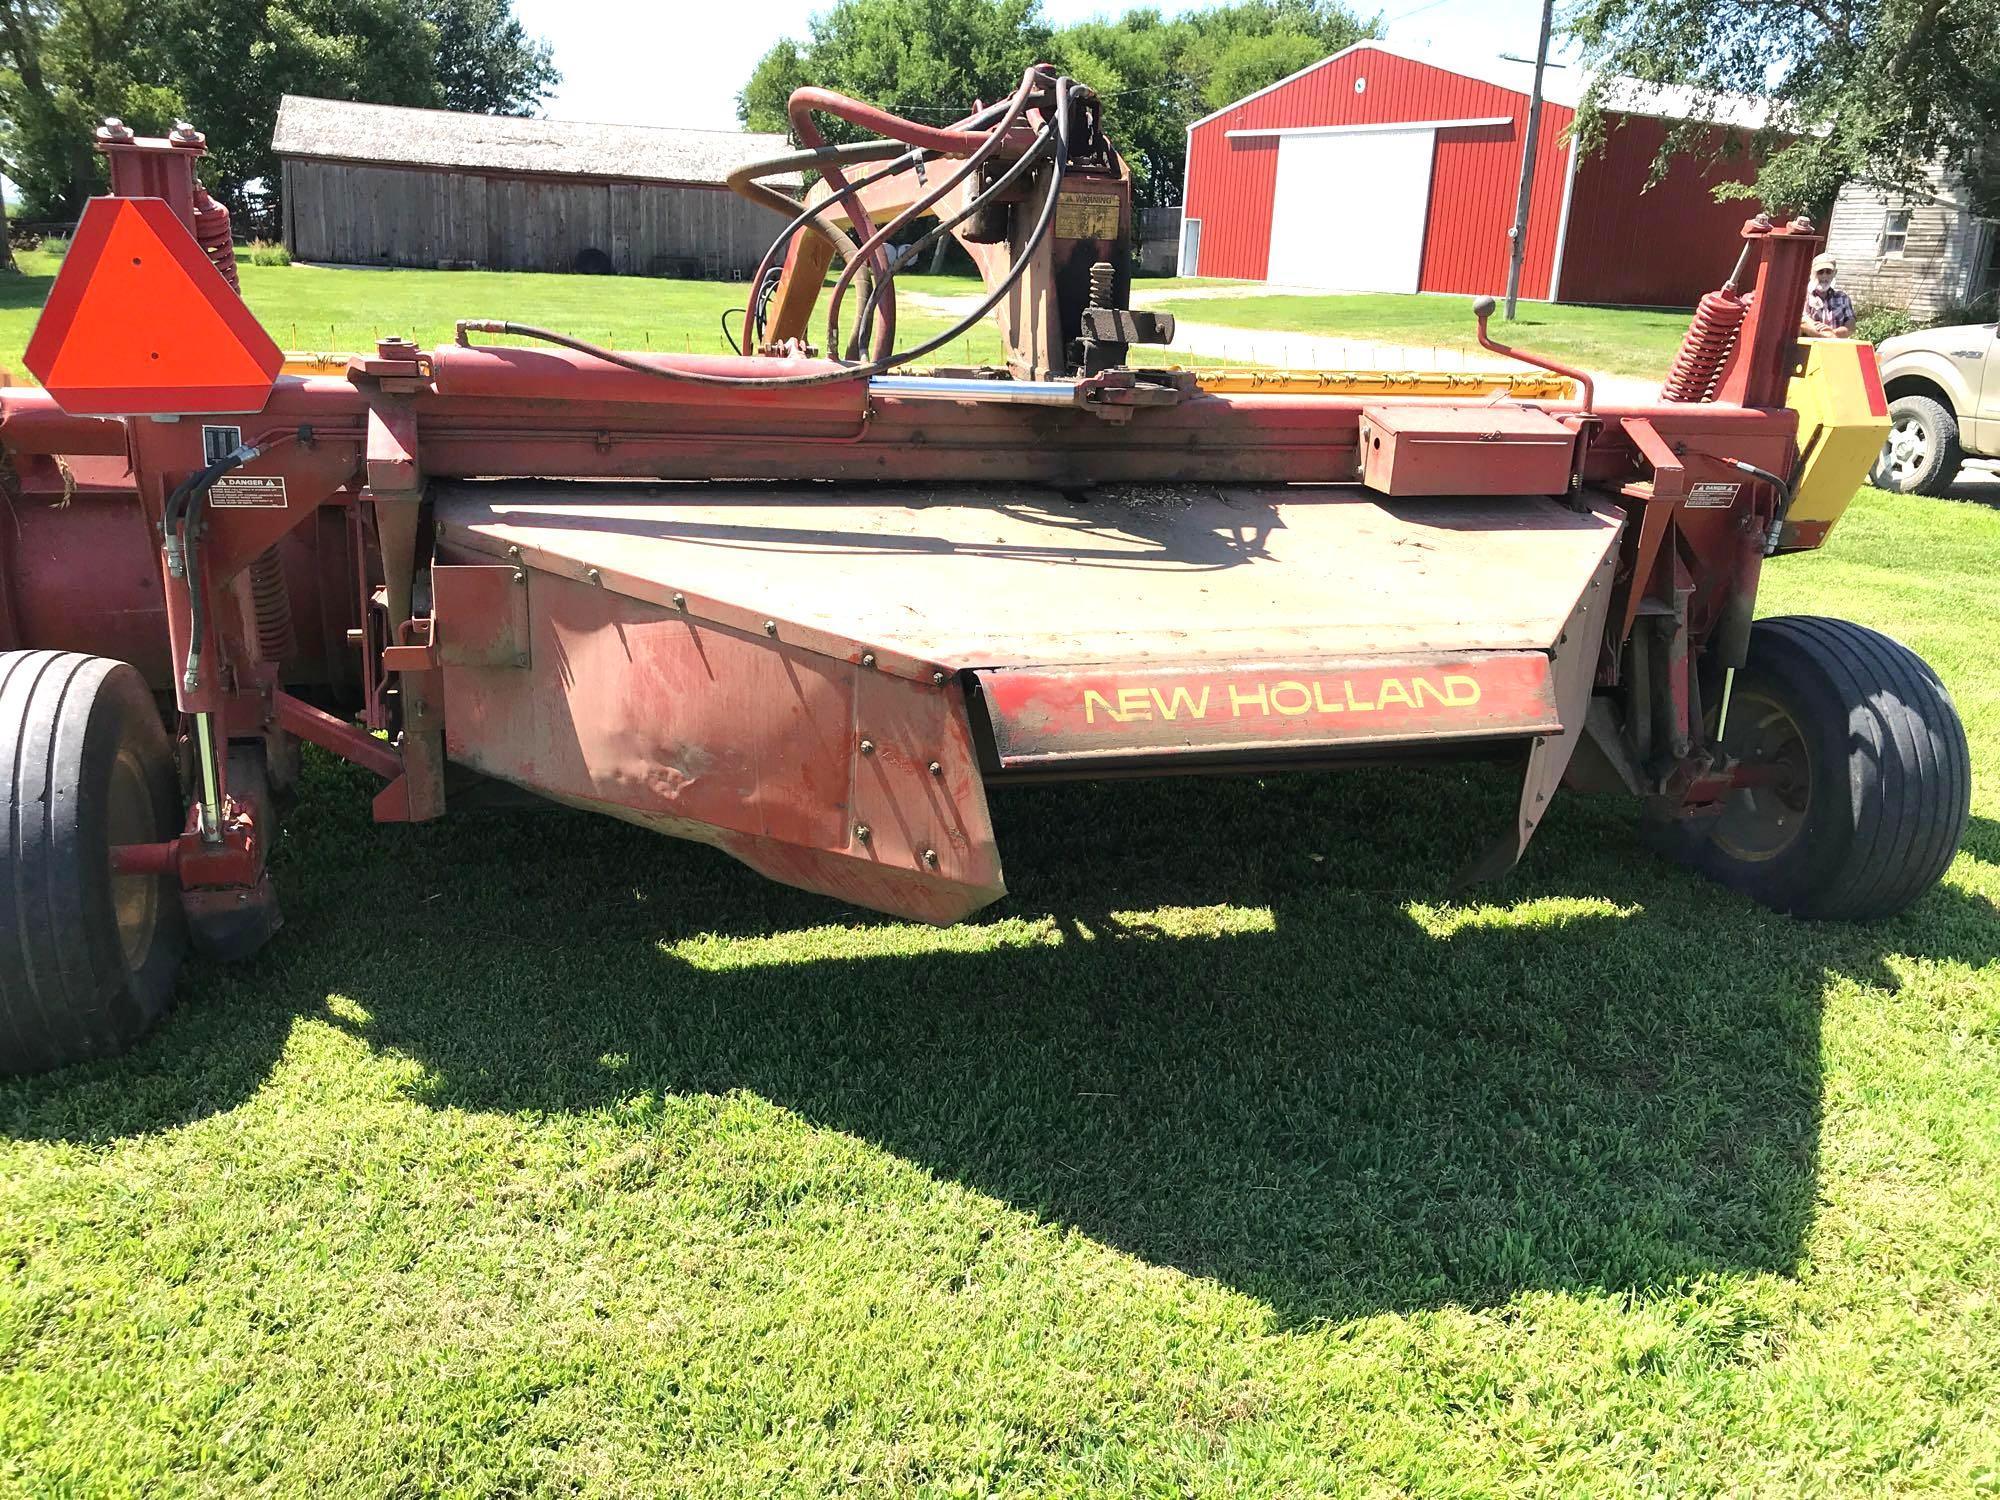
<point x="339" y="609"/>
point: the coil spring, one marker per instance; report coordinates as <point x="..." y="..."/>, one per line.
<point x="1103" y="281"/>
<point x="1718" y="318"/>
<point x="212" y="232"/>
<point x="273" y="603"/>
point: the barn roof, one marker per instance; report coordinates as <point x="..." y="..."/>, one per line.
<point x="337" y="129"/>
<point x="1564" y="86"/>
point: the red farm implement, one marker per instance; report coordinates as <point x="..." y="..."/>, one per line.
<point x="809" y="605"/>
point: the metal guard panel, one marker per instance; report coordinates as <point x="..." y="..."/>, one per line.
<point x="1100" y="713"/>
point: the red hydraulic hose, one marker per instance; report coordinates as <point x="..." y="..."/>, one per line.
<point x="989" y="142"/>
<point x="946" y="142"/>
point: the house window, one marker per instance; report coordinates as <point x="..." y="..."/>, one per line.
<point x="1895" y="231"/>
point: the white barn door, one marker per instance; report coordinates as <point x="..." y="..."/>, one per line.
<point x="1350" y="209"/>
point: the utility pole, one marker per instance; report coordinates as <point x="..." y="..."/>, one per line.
<point x="1519" y="248"/>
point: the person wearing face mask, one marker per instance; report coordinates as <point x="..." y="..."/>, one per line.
<point x="1829" y="311"/>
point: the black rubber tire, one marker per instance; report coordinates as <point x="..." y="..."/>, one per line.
<point x="71" y="726"/>
<point x="1889" y="785"/>
<point x="1946" y="456"/>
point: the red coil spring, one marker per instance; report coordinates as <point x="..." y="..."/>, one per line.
<point x="276" y="641"/>
<point x="1705" y="349"/>
<point x="211" y="231"/>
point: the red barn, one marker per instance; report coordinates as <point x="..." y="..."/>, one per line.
<point x="1374" y="170"/>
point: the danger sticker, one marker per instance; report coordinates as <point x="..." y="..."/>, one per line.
<point x="1712" y="495"/>
<point x="1087" y="216"/>
<point x="248" y="492"/>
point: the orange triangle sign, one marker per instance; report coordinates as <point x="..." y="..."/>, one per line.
<point x="139" y="322"/>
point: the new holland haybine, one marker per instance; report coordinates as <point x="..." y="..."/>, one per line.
<point x="812" y="601"/>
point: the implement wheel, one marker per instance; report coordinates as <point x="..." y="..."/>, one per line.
<point x="87" y="958"/>
<point x="1863" y="781"/>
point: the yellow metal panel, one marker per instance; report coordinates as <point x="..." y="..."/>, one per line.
<point x="1843" y="422"/>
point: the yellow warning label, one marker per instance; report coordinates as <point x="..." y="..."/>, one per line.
<point x="1087" y="216"/>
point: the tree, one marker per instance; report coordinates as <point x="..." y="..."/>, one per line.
<point x="65" y="64"/>
<point x="235" y="59"/>
<point x="1253" y="43"/>
<point x="928" y="59"/>
<point x="1870" y="91"/>
<point x="65" y="68"/>
<point x="486" y="61"/>
<point x="1157" y="76"/>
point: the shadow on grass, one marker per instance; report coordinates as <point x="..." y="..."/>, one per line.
<point x="1980" y="485"/>
<point x="1341" y="1093"/>
<point x="24" y="291"/>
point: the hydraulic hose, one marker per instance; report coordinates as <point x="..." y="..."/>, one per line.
<point x="880" y="365"/>
<point x="1784" y="506"/>
<point x="1016" y="106"/>
<point x="182" y="520"/>
<point x="1028" y="159"/>
<point x="743" y="181"/>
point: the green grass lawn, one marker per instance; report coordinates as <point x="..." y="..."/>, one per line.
<point x="1234" y="1153"/>
<point x="1617" y="341"/>
<point x="309" y="308"/>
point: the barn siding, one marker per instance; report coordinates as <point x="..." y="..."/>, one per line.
<point x="361" y="214"/>
<point x="1474" y="174"/>
<point x="1663" y="245"/>
<point x="1940" y="263"/>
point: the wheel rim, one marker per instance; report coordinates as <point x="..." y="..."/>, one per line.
<point x="135" y="899"/>
<point x="1760" y="823"/>
<point x="1907" y="451"/>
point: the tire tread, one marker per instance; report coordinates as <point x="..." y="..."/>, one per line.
<point x="1910" y="815"/>
<point x="65" y="993"/>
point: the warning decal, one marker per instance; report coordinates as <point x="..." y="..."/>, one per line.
<point x="1712" y="495"/>
<point x="1087" y="216"/>
<point x="248" y="492"/>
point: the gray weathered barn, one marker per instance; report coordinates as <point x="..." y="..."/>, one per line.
<point x="376" y="184"/>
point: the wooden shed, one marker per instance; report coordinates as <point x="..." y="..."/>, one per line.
<point x="377" y="184"/>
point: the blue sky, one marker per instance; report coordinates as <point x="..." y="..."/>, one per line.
<point x="643" y="62"/>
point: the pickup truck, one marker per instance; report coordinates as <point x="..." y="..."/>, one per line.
<point x="1944" y="406"/>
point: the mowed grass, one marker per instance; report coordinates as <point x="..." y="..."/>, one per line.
<point x="310" y="309"/>
<point x="1236" y="1152"/>
<point x="1613" y="340"/>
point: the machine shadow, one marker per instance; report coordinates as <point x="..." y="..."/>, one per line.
<point x="1982" y="839"/>
<point x="1340" y="1093"/>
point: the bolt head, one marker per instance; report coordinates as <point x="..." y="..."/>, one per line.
<point x="930" y="858"/>
<point x="868" y="658"/>
<point x="770" y="627"/>
<point x="863" y="832"/>
<point x="867" y="747"/>
<point x="936" y="769"/>
<point x="594" y="575"/>
<point x="514" y="552"/>
<point x="937" y="679"/>
<point x="680" y="601"/>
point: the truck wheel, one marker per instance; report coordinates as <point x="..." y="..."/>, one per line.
<point x="1922" y="455"/>
<point x="87" y="958"/>
<point x="1868" y="778"/>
